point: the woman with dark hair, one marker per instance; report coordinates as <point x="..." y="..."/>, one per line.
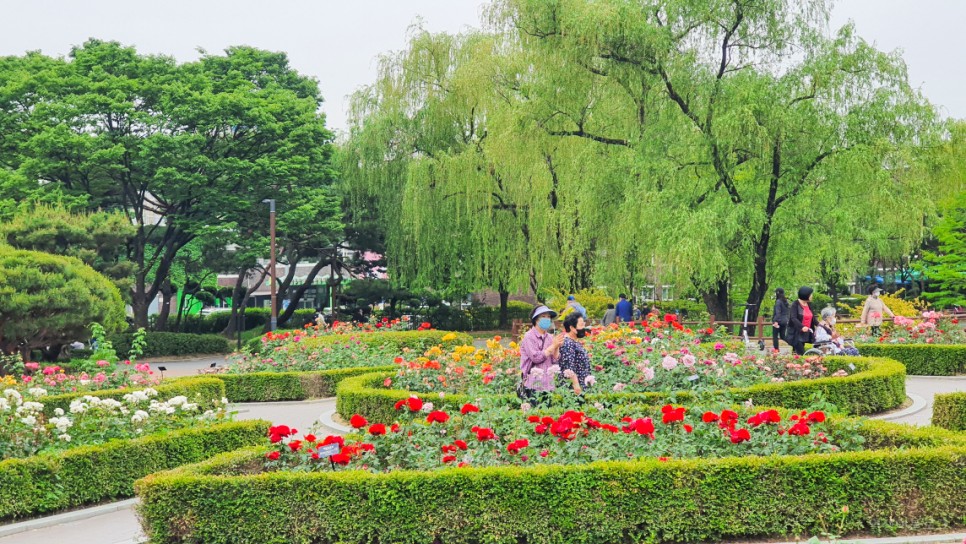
<point x="574" y="361"/>
<point x="801" y="322"/>
<point x="780" y="317"/>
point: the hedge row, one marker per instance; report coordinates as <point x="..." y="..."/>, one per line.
<point x="876" y="386"/>
<point x="278" y="386"/>
<point x="205" y="389"/>
<point x="255" y="318"/>
<point x="90" y="474"/>
<point x="164" y="344"/>
<point x="949" y="411"/>
<point x="922" y="359"/>
<point x="693" y="500"/>
<point x="396" y="340"/>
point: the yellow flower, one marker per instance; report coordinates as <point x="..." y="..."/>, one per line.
<point x="434" y="351"/>
<point x="449" y="337"/>
<point x="514" y="345"/>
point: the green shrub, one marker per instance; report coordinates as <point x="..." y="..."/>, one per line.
<point x="92" y="474"/>
<point x="949" y="411"/>
<point x="204" y="388"/>
<point x="164" y="344"/>
<point x="922" y="359"/>
<point x="693" y="500"/>
<point x="876" y="386"/>
<point x="277" y="386"/>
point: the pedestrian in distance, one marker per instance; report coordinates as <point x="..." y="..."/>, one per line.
<point x="780" y="317"/>
<point x="575" y="306"/>
<point x="609" y="316"/>
<point x="873" y="309"/>
<point x="625" y="311"/>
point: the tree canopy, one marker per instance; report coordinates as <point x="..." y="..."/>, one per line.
<point x="571" y="144"/>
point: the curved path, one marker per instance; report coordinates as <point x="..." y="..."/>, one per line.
<point x="117" y="523"/>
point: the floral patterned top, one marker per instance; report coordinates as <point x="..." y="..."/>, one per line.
<point x="574" y="357"/>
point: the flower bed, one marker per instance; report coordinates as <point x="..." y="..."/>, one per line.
<point x="57" y="380"/>
<point x="922" y="359"/>
<point x="919" y="487"/>
<point x="90" y="474"/>
<point x="932" y="328"/>
<point x="206" y="389"/>
<point x="949" y="411"/>
<point x="876" y="385"/>
<point x="395" y="341"/>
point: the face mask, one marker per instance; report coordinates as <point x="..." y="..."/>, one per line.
<point x="544" y="323"/>
<point x="581" y="333"/>
<point x="831" y="320"/>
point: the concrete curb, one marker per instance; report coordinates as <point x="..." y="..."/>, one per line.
<point x="326" y="419"/>
<point x="942" y="378"/>
<point x="66" y="517"/>
<point x="281" y="403"/>
<point x="950" y="538"/>
<point x="918" y="404"/>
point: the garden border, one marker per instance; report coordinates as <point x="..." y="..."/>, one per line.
<point x="922" y="359"/>
<point x="209" y="388"/>
<point x="87" y="475"/>
<point x="285" y="386"/>
<point x="920" y="488"/>
<point x="949" y="411"/>
<point x="878" y="386"/>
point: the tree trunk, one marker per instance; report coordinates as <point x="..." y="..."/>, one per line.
<point x="300" y="292"/>
<point x="759" y="279"/>
<point x="504" y="309"/>
<point x="165" y="310"/>
<point x="239" y="298"/>
<point x="717" y="301"/>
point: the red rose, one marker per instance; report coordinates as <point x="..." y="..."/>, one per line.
<point x="671" y="414"/>
<point x="709" y="417"/>
<point x="816" y="417"/>
<point x="645" y="427"/>
<point x="333" y="439"/>
<point x="799" y="429"/>
<point x="544" y="453"/>
<point x="368" y="447"/>
<point x="377" y="429"/>
<point x="460" y="444"/>
<point x="517" y="445"/>
<point x="437" y="416"/>
<point x="534" y="419"/>
<point x="739" y="436"/>
<point x="394" y="427"/>
<point x="467" y="408"/>
<point x="663" y="459"/>
<point x="688" y="428"/>
<point x="295" y="445"/>
<point x="358" y="421"/>
<point x="399" y="404"/>
<point x="463" y="464"/>
<point x="415" y="404"/>
<point x="540" y="429"/>
<point x="273" y="455"/>
<point x="341" y="459"/>
<point x="310" y="438"/>
<point x="483" y="434"/>
<point x="425" y="325"/>
<point x="449" y="458"/>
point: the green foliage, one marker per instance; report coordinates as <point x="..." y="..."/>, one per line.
<point x="255" y="318"/>
<point x="949" y="411"/>
<point x="922" y="359"/>
<point x="49" y="300"/>
<point x="206" y="388"/>
<point x="92" y="474"/>
<point x="99" y="239"/>
<point x="946" y="268"/>
<point x="695" y="500"/>
<point x="278" y="386"/>
<point x="163" y="344"/>
<point x="876" y="385"/>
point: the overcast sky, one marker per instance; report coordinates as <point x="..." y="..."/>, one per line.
<point x="337" y="41"/>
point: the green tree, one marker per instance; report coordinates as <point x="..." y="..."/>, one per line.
<point x="946" y="267"/>
<point x="99" y="239"/>
<point x="48" y="300"/>
<point x="182" y="150"/>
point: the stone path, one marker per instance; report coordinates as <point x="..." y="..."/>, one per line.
<point x="118" y="524"/>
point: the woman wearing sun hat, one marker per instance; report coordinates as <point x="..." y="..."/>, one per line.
<point x="873" y="310"/>
<point x="539" y="352"/>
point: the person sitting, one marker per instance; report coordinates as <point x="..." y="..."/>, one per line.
<point x="825" y="333"/>
<point x="574" y="361"/>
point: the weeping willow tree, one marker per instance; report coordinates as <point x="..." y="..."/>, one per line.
<point x="574" y="143"/>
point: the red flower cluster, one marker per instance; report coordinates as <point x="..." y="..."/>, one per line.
<point x="467" y="408"/>
<point x="278" y="432"/>
<point x="357" y="421"/>
<point x="642" y="426"/>
<point x="484" y="433"/>
<point x="437" y="416"/>
<point x="414" y="404"/>
<point x="424" y="326"/>
<point x="517" y="445"/>
<point x="672" y="414"/>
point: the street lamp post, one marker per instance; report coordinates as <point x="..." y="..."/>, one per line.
<point x="271" y="228"/>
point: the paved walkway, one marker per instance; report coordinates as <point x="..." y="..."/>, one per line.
<point x="119" y="524"/>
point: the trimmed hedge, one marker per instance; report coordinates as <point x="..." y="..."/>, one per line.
<point x="91" y="474"/>
<point x="397" y="340"/>
<point x="877" y="386"/>
<point x="949" y="411"/>
<point x="922" y="359"/>
<point x="691" y="500"/>
<point x="277" y="386"/>
<point x="165" y="344"/>
<point x="208" y="388"/>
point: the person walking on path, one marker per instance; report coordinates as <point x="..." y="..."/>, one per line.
<point x="539" y="351"/>
<point x="609" y="316"/>
<point x="575" y="306"/>
<point x="801" y="322"/>
<point x="780" y="317"/>
<point x="625" y="312"/>
<point x="873" y="310"/>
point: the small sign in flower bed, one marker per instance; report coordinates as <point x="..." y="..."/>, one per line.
<point x="675" y="474"/>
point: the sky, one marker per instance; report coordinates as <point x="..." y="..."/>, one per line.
<point x="339" y="41"/>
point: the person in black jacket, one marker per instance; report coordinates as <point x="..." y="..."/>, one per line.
<point x="801" y="322"/>
<point x="780" y="317"/>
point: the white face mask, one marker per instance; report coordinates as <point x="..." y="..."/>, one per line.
<point x="831" y="320"/>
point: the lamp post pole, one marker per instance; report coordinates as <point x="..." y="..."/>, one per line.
<point x="271" y="228"/>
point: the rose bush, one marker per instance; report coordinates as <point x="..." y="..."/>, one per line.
<point x="54" y="379"/>
<point x="480" y="435"/>
<point x="25" y="429"/>
<point x="931" y="328"/>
